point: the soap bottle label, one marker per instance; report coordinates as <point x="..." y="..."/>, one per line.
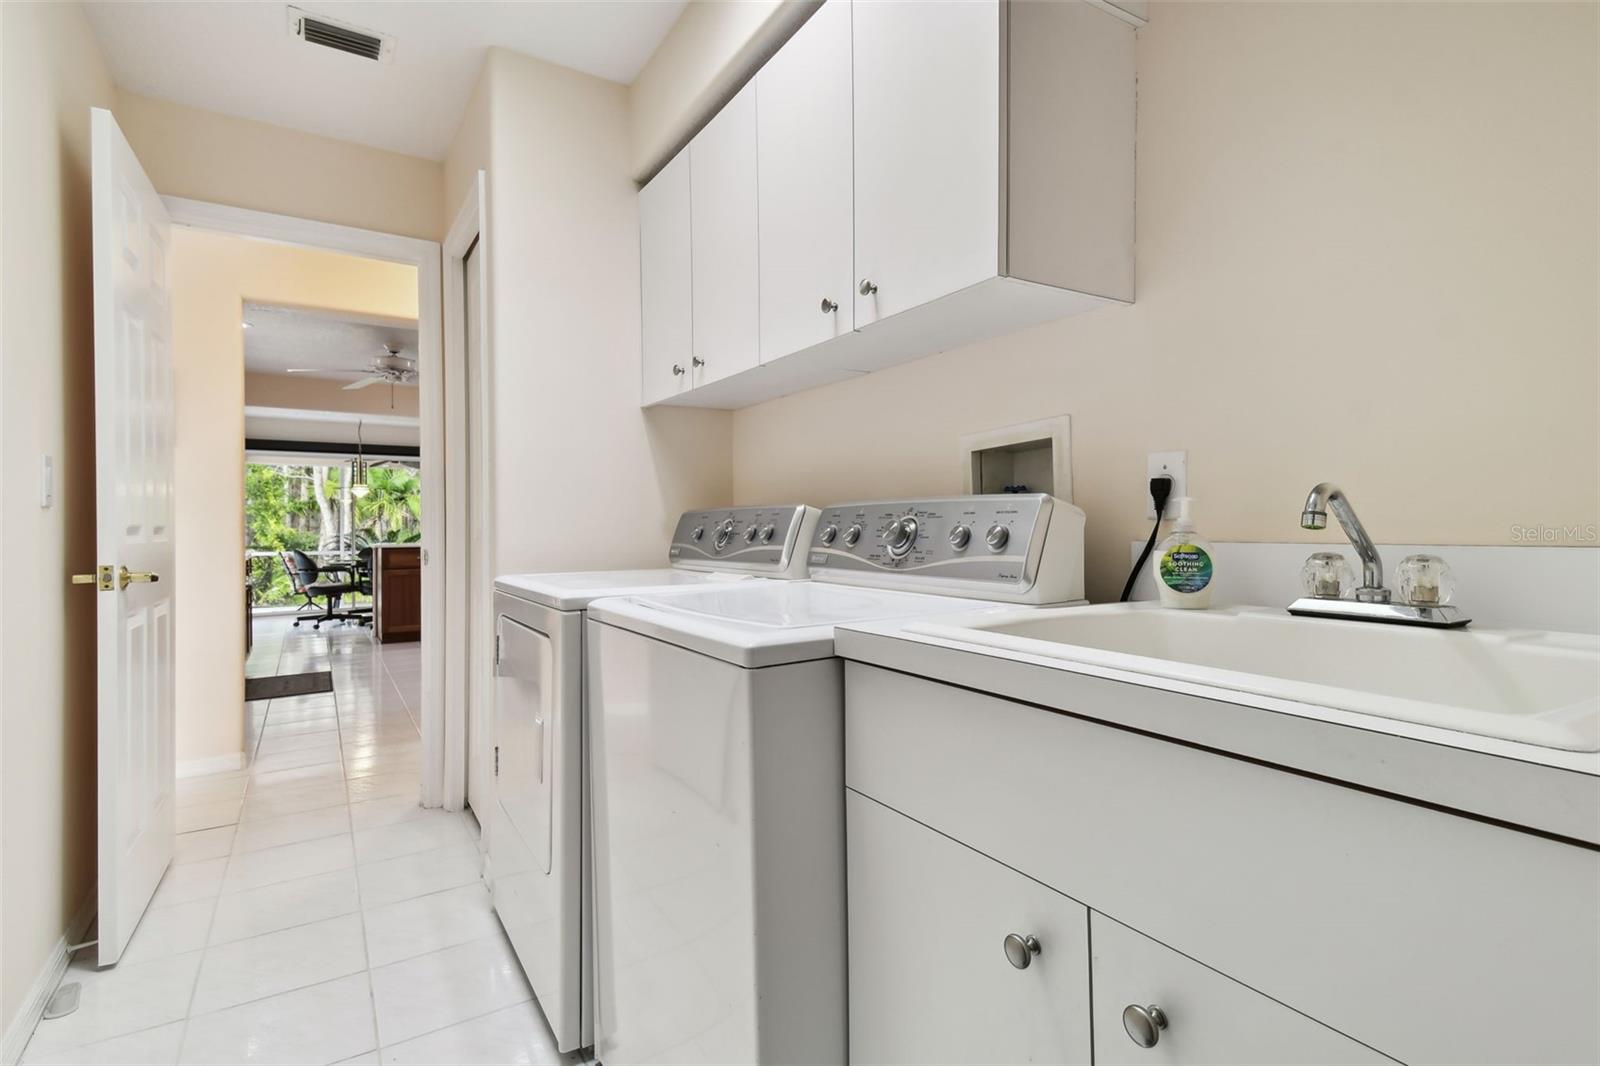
<point x="1186" y="568"/>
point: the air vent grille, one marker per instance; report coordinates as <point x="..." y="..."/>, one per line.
<point x="341" y="37"/>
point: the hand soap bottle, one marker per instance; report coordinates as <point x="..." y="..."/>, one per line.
<point x="1183" y="564"/>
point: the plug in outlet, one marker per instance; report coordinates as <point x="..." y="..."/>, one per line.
<point x="1171" y="464"/>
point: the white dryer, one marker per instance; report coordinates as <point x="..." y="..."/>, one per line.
<point x="538" y="850"/>
<point x="717" y="754"/>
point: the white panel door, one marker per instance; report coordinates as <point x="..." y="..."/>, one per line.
<point x="932" y="977"/>
<point x="133" y="532"/>
<point x="667" y="315"/>
<point x="804" y="149"/>
<point x="727" y="335"/>
<point x="927" y="150"/>
<point x="1208" y="1017"/>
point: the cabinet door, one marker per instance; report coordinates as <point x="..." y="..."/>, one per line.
<point x="666" y="313"/>
<point x="931" y="979"/>
<point x="927" y="150"/>
<point x="727" y="337"/>
<point x="1209" y="1017"/>
<point x="804" y="160"/>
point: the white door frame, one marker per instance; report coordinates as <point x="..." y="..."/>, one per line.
<point x="467" y="586"/>
<point x="424" y="255"/>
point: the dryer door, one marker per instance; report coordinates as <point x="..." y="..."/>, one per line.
<point x="524" y="712"/>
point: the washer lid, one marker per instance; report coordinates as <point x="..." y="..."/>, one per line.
<point x="574" y="591"/>
<point x="766" y="623"/>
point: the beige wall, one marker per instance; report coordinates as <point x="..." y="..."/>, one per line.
<point x="1366" y="253"/>
<point x="571" y="445"/>
<point x="306" y="393"/>
<point x="203" y="155"/>
<point x="212" y="276"/>
<point x="705" y="57"/>
<point x="52" y="76"/>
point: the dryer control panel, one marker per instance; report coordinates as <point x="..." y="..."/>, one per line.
<point x="769" y="541"/>
<point x="1022" y="548"/>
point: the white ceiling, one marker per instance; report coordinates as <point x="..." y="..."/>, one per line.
<point x="282" y="337"/>
<point x="240" y="59"/>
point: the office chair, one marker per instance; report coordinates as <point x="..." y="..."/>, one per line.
<point x="307" y="579"/>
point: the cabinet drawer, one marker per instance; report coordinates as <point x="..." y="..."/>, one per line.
<point x="931" y="980"/>
<point x="1209" y="1017"/>
<point x="1360" y="910"/>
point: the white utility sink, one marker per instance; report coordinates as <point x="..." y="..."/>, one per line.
<point x="1527" y="686"/>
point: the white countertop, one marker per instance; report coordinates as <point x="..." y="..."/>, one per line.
<point x="1546" y="790"/>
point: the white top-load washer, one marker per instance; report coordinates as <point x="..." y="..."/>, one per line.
<point x="538" y="852"/>
<point x="716" y="720"/>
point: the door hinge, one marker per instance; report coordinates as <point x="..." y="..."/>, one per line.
<point x="497" y="760"/>
<point x="497" y="653"/>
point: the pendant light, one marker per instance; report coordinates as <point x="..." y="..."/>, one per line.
<point x="358" y="469"/>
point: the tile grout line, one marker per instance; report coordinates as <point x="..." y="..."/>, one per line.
<point x="361" y="907"/>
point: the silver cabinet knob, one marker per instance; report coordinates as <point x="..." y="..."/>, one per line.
<point x="697" y="361"/>
<point x="867" y="288"/>
<point x="1020" y="949"/>
<point x="1144" y="1024"/>
<point x="828" y="306"/>
<point x="677" y="371"/>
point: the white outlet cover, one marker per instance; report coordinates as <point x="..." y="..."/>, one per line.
<point x="1174" y="465"/>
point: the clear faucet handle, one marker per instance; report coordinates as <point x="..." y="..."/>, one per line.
<point x="1425" y="580"/>
<point x="1327" y="576"/>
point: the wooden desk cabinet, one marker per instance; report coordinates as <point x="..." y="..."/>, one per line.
<point x="396" y="592"/>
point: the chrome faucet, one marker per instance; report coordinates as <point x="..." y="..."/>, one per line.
<point x="1372" y="601"/>
<point x="1328" y="496"/>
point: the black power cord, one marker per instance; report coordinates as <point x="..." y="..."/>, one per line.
<point x="1160" y="489"/>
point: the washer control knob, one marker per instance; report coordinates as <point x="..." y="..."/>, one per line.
<point x="901" y="536"/>
<point x="960" y="537"/>
<point x="698" y="534"/>
<point x="997" y="538"/>
<point x="724" y="535"/>
<point x="750" y="534"/>
<point x="830" y="535"/>
<point x="852" y="536"/>
<point x="766" y="533"/>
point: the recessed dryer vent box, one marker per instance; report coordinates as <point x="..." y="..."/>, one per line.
<point x="1031" y="457"/>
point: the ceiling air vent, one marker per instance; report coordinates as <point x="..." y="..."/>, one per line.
<point x="340" y="36"/>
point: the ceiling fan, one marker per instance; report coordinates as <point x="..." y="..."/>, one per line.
<point x="390" y="368"/>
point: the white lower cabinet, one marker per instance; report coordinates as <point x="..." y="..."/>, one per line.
<point x="954" y="957"/>
<point x="1154" y="1005"/>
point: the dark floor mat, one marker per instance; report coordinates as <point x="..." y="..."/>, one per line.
<point x="282" y="686"/>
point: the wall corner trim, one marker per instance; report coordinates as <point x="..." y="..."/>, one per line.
<point x="214" y="764"/>
<point x="20" y="1031"/>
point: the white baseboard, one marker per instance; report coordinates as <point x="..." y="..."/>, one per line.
<point x="216" y="764"/>
<point x="22" y="1026"/>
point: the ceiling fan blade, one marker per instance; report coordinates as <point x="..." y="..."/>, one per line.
<point x="363" y="383"/>
<point x="324" y="370"/>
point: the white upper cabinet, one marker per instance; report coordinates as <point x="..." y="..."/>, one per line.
<point x="666" y="314"/>
<point x="727" y="334"/>
<point x="904" y="177"/>
<point x="927" y="150"/>
<point x="803" y="138"/>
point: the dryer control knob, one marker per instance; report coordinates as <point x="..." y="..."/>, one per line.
<point x="698" y="534"/>
<point x="852" y="536"/>
<point x="830" y="535"/>
<point x="766" y="533"/>
<point x="960" y="537"/>
<point x="750" y="535"/>
<point x="997" y="538"/>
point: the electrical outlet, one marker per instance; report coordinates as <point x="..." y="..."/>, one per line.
<point x="1174" y="465"/>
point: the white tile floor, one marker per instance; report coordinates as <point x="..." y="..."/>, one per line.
<point x="314" y="913"/>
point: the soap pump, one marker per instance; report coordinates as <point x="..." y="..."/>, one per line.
<point x="1183" y="565"/>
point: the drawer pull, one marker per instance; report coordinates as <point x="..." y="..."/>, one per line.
<point x="1020" y="949"/>
<point x="1144" y="1024"/>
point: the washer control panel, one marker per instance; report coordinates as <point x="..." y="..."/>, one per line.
<point x="981" y="546"/>
<point x="764" y="540"/>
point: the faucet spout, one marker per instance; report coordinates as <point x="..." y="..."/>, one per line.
<point x="1314" y="515"/>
